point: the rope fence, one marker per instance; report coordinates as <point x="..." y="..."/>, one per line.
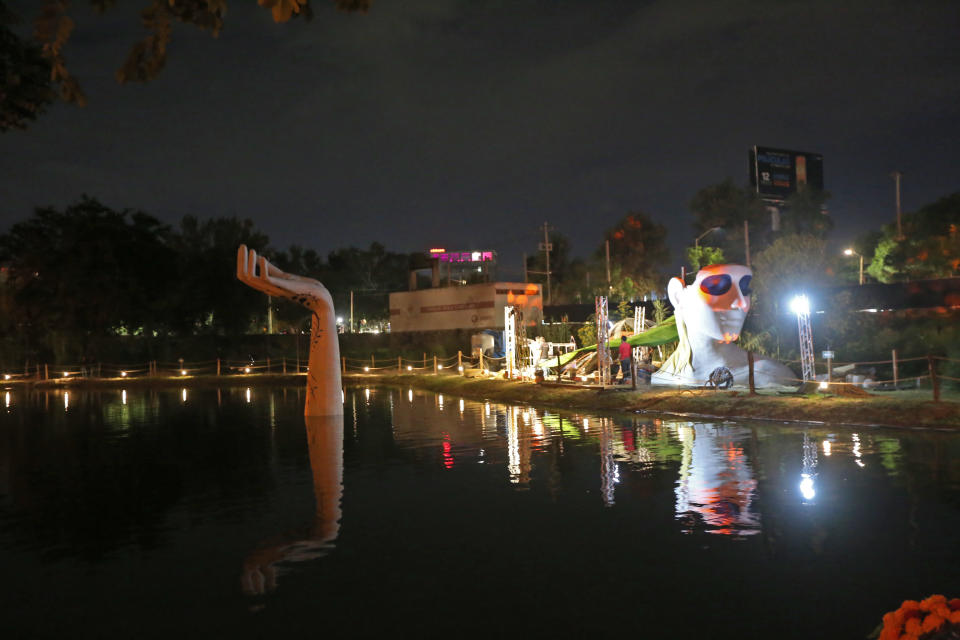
<point x="904" y="373"/>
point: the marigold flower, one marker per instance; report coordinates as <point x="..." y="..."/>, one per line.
<point x="913" y="626"/>
<point x="910" y="605"/>
<point x="932" y="623"/>
<point x="909" y="636"/>
<point x="927" y="604"/>
<point x="955" y="617"/>
<point x="892" y="620"/>
<point x="954" y="604"/>
<point x="942" y="610"/>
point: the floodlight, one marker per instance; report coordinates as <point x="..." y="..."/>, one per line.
<point x="800" y="304"/>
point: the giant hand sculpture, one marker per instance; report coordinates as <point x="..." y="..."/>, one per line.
<point x="710" y="314"/>
<point x="324" y="391"/>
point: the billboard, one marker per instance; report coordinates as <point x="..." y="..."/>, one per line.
<point x="777" y="173"/>
<point x="477" y="306"/>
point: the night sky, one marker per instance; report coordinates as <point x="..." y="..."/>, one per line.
<point x="467" y="124"/>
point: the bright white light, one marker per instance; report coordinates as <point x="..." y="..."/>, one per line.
<point x="486" y="371"/>
<point x="366" y="369"/>
<point x="409" y="367"/>
<point x="440" y="397"/>
<point x="7" y="400"/>
<point x="439" y="366"/>
<point x="806" y="487"/>
<point x="409" y="395"/>
<point x="6" y="376"/>
<point x="248" y="395"/>
<point x="824" y="384"/>
<point x="366" y="393"/>
<point x="123" y="374"/>
<point x="339" y="320"/>
<point x="800" y="304"/>
<point x="461" y="405"/>
<point x="826" y="447"/>
<point x="183" y="394"/>
<point x="66" y="373"/>
<point x="343" y="395"/>
<point x="66" y="400"/>
<point x="586" y="424"/>
<point x="246" y="369"/>
<point x="848" y="252"/>
<point x="460" y="369"/>
<point x="123" y="396"/>
<point x="475" y="256"/>
<point x="183" y="372"/>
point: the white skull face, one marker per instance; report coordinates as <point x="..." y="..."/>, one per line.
<point x="717" y="302"/>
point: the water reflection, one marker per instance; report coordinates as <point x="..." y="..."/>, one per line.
<point x="218" y="486"/>
<point x="262" y="567"/>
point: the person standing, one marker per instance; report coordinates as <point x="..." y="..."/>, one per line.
<point x="626" y="355"/>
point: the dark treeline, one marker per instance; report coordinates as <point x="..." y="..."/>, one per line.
<point x="76" y="278"/>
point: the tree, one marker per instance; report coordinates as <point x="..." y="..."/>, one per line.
<point x="370" y="274"/>
<point x="792" y="264"/>
<point x="930" y="247"/>
<point x="638" y="248"/>
<point x="33" y="73"/>
<point x="24" y="78"/>
<point x="563" y="269"/>
<point x="84" y="273"/>
<point x="208" y="298"/>
<point x="804" y="212"/>
<point x="701" y="256"/>
<point x="727" y="206"/>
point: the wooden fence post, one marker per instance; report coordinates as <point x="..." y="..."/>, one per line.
<point x="434" y="364"/>
<point x="343" y="366"/>
<point x="753" y="387"/>
<point x="399" y="364"/>
<point x="459" y="360"/>
<point x="284" y="365"/>
<point x="218" y="366"/>
<point x="558" y="367"/>
<point x="481" y="361"/>
<point x="46" y="372"/>
<point x="633" y="372"/>
<point x="932" y="364"/>
<point x="896" y="377"/>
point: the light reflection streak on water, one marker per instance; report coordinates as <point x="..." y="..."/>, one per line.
<point x="826" y="447"/>
<point x="409" y="395"/>
<point x="366" y="395"/>
<point x="440" y="401"/>
<point x="7" y="400"/>
<point x="123" y="396"/>
<point x="66" y="400"/>
<point x="461" y="406"/>
<point x="248" y="394"/>
<point x="715" y="487"/>
<point x="183" y="395"/>
<point x="856" y="450"/>
<point x="513" y="445"/>
<point x="609" y="471"/>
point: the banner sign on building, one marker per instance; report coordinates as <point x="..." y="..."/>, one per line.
<point x="777" y="173"/>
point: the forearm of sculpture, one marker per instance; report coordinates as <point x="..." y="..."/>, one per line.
<point x="324" y="390"/>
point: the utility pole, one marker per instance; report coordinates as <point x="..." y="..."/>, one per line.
<point x="746" y="239"/>
<point x="607" y="244"/>
<point x="269" y="313"/>
<point x="896" y="175"/>
<point x="351" y="312"/>
<point x="547" y="248"/>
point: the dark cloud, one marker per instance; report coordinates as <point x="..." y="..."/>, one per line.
<point x="467" y="124"/>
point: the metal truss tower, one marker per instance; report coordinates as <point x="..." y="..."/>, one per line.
<point x="603" y="342"/>
<point x="806" y="344"/>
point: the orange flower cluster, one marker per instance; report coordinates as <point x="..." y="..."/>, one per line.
<point x="920" y="620"/>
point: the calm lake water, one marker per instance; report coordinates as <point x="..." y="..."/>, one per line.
<point x="222" y="513"/>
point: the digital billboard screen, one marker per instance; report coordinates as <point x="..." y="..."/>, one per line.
<point x="777" y="173"/>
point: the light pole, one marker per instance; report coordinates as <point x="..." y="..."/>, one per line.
<point x="851" y="252"/>
<point x="696" y="242"/>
